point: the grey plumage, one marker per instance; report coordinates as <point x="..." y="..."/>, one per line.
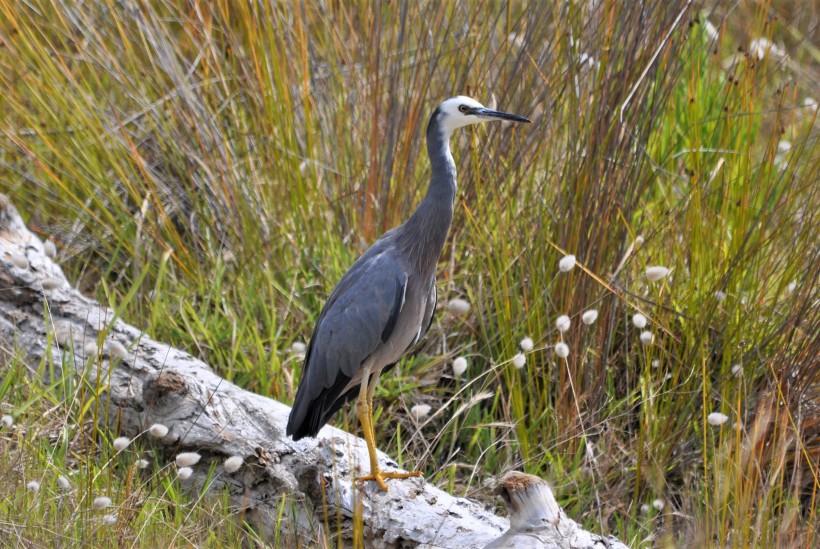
<point x="384" y="303"/>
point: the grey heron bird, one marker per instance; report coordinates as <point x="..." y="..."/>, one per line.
<point x="384" y="303"/>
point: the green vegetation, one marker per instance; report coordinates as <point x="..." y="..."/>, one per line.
<point x="210" y="169"/>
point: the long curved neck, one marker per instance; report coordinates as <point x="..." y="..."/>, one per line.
<point x="424" y="234"/>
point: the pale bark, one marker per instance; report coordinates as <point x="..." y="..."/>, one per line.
<point x="149" y="382"/>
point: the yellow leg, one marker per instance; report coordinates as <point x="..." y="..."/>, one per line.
<point x="364" y="409"/>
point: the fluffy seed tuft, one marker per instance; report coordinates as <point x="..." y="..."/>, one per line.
<point x="716" y="418"/>
<point x="656" y="273"/>
<point x="19" y="261"/>
<point x="639" y="320"/>
<point x="185" y="473"/>
<point x="101" y="502"/>
<point x="589" y="317"/>
<point x="562" y="350"/>
<point x="298" y="348"/>
<point x="658" y="504"/>
<point x="737" y="370"/>
<point x="526" y="344"/>
<point x="90" y="349"/>
<point x="109" y="520"/>
<point x="646" y="337"/>
<point x="64" y="484"/>
<point x="566" y="264"/>
<point x="562" y="323"/>
<point x="158" y="430"/>
<point x="121" y="443"/>
<point x="458" y="307"/>
<point x="186" y="459"/>
<point x="519" y="360"/>
<point x="51" y="283"/>
<point x="233" y="463"/>
<point x="459" y="366"/>
<point x="420" y="411"/>
<point x="33" y="486"/>
<point x="7" y="422"/>
<point x="116" y="349"/>
<point x="143" y="464"/>
<point x="50" y="249"/>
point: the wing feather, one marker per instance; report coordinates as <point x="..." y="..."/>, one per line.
<point x="359" y="316"/>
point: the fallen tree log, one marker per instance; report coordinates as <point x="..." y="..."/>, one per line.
<point x="149" y="382"/>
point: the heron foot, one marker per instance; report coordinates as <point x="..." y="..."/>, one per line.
<point x="380" y="476"/>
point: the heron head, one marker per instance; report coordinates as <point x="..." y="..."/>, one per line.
<point x="460" y="111"/>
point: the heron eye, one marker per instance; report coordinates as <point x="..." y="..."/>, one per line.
<point x="463" y="108"/>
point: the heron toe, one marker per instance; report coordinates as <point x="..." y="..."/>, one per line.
<point x="380" y="476"/>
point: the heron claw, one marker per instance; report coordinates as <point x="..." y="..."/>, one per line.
<point x="380" y="476"/>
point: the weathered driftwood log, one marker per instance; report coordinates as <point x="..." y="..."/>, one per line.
<point x="149" y="382"/>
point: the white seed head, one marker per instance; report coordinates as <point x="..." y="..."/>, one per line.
<point x="62" y="332"/>
<point x="792" y="286"/>
<point x="233" y="463"/>
<point x="109" y="520"/>
<point x="566" y="264"/>
<point x="121" y="443"/>
<point x="459" y="365"/>
<point x="158" y="430"/>
<point x="186" y="459"/>
<point x="519" y="360"/>
<point x="811" y="103"/>
<point x="7" y="422"/>
<point x="658" y="504"/>
<point x="639" y="239"/>
<point x="298" y="348"/>
<point x="51" y="283"/>
<point x="562" y="350"/>
<point x="720" y="296"/>
<point x="589" y="317"/>
<point x="420" y="411"/>
<point x="716" y="418"/>
<point x="639" y="320"/>
<point x="656" y="273"/>
<point x="711" y="31"/>
<point x="656" y="363"/>
<point x="458" y="307"/>
<point x="64" y="483"/>
<point x="19" y="261"/>
<point x="50" y="249"/>
<point x="644" y="508"/>
<point x="526" y="344"/>
<point x="185" y="473"/>
<point x="143" y="464"/>
<point x="646" y="337"/>
<point x="101" y="502"/>
<point x="761" y="47"/>
<point x="116" y="349"/>
<point x="562" y="323"/>
<point x="90" y="349"/>
<point x="737" y="370"/>
<point x="33" y="486"/>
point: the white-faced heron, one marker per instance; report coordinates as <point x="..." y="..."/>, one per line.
<point x="384" y="303"/>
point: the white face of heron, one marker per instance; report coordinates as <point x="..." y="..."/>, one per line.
<point x="456" y="111"/>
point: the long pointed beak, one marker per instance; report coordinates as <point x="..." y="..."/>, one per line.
<point x="488" y="113"/>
